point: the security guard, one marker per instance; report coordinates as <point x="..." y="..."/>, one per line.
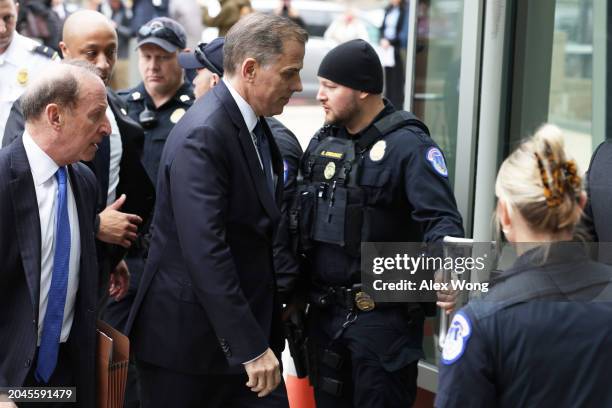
<point x="207" y="60"/>
<point x="542" y="337"/>
<point x="21" y="59"/>
<point x="163" y="96"/>
<point x="372" y="173"/>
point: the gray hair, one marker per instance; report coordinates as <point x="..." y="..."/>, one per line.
<point x="259" y="36"/>
<point x="60" y="85"/>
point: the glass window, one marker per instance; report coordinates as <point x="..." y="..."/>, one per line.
<point x="436" y="95"/>
<point x="436" y="72"/>
<point x="571" y="76"/>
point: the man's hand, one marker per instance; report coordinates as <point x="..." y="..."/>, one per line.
<point x="119" y="281"/>
<point x="447" y="299"/>
<point x="384" y="43"/>
<point x="5" y="401"/>
<point x="264" y="374"/>
<point x="116" y="227"/>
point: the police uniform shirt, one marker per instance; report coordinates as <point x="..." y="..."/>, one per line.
<point x="166" y="116"/>
<point x="405" y="174"/>
<point x="541" y="338"/>
<point x="23" y="60"/>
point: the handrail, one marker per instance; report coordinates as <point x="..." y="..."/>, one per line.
<point x="445" y="318"/>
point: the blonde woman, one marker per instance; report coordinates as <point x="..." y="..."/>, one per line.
<point x="543" y="335"/>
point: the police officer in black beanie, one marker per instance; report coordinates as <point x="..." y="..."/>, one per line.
<point x="372" y="173"/>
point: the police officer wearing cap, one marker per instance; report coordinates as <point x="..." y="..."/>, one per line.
<point x="21" y="59"/>
<point x="372" y="173"/>
<point x="163" y="96"/>
<point x="542" y="335"/>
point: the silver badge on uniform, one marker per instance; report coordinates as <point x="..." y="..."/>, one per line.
<point x="330" y="170"/>
<point x="177" y="115"/>
<point x="377" y="152"/>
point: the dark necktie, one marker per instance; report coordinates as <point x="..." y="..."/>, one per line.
<point x="263" y="145"/>
<point x="54" y="316"/>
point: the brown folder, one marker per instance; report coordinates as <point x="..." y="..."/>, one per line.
<point x="111" y="365"/>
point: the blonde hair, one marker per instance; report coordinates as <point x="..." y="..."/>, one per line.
<point x="540" y="182"/>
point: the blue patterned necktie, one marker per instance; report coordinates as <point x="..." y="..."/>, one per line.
<point x="264" y="152"/>
<point x="54" y="317"/>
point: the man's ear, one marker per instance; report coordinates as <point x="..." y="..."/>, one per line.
<point x="64" y="49"/>
<point x="248" y="69"/>
<point x="214" y="80"/>
<point x="54" y="116"/>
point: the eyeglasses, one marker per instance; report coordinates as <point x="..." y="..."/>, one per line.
<point x="157" y="30"/>
<point x="201" y="56"/>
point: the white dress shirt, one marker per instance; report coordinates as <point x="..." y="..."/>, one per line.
<point x="18" y="66"/>
<point x="43" y="172"/>
<point x="248" y="114"/>
<point x="391" y="24"/>
<point x="116" y="150"/>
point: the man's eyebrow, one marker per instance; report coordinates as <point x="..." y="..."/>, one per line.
<point x="97" y="112"/>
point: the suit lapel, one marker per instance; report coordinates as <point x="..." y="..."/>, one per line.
<point x="25" y="205"/>
<point x="85" y="230"/>
<point x="249" y="153"/>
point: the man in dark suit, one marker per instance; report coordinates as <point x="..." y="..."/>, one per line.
<point x="47" y="212"/>
<point x="206" y="320"/>
<point x="207" y="60"/>
<point x="89" y="36"/>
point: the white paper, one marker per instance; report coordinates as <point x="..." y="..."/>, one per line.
<point x="386" y="55"/>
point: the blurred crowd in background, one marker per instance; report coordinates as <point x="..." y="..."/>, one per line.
<point x="384" y="23"/>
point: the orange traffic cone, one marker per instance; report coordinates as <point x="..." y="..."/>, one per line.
<point x="299" y="391"/>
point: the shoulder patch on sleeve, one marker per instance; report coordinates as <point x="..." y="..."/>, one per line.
<point x="457" y="337"/>
<point x="435" y="157"/>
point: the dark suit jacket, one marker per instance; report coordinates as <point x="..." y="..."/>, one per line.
<point x="133" y="179"/>
<point x="20" y="247"/>
<point x="207" y="301"/>
<point x="596" y="221"/>
<point x="285" y="260"/>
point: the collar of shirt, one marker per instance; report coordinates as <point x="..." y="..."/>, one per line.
<point x="43" y="167"/>
<point x="250" y="118"/>
<point x="178" y="99"/>
<point x="14" y="54"/>
<point x="387" y="110"/>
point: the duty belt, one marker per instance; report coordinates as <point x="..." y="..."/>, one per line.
<point x="346" y="297"/>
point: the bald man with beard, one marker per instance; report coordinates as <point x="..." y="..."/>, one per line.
<point x="123" y="183"/>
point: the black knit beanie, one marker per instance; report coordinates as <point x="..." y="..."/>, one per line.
<point x="354" y="64"/>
